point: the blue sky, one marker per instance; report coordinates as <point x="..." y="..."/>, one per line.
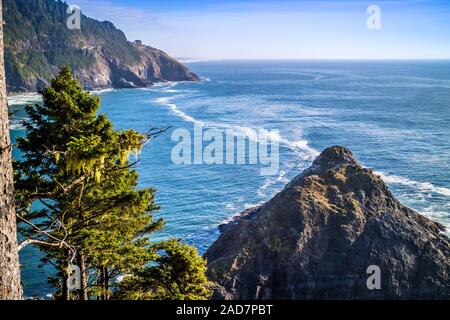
<point x="284" y="29"/>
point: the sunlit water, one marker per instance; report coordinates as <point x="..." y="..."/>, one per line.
<point x="394" y="116"/>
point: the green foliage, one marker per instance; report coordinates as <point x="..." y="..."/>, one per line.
<point x="179" y="273"/>
<point x="77" y="194"/>
<point x="30" y="63"/>
<point x="86" y="155"/>
<point x="77" y="58"/>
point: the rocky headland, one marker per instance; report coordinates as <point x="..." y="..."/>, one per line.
<point x="319" y="237"/>
<point x="38" y="43"/>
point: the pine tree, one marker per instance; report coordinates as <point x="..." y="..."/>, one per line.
<point x="77" y="191"/>
<point x="178" y="274"/>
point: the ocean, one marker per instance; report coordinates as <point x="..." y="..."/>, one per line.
<point x="393" y="115"/>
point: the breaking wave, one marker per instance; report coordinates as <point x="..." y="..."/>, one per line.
<point x="421" y="186"/>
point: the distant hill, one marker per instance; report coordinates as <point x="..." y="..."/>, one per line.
<point x="38" y="43"/>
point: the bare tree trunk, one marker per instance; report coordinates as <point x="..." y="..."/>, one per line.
<point x="65" y="288"/>
<point x="66" y="272"/>
<point x="83" y="281"/>
<point x="106" y="284"/>
<point x="10" y="286"/>
<point x="103" y="283"/>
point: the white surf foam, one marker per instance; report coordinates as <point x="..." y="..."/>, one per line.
<point x="261" y="135"/>
<point x="24" y="99"/>
<point x="16" y="124"/>
<point x="438" y="213"/>
<point x="421" y="186"/>
<point x="190" y="60"/>
<point x="271" y="183"/>
<point x="98" y="92"/>
<point x="230" y="206"/>
<point x="167" y="101"/>
<point x="164" y="84"/>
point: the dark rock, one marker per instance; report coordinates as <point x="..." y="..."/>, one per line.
<point x="317" y="238"/>
<point x="244" y="215"/>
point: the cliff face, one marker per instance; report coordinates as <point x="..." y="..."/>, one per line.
<point x="317" y="238"/>
<point x="38" y="43"/>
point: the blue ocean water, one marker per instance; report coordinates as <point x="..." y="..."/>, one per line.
<point x="393" y="115"/>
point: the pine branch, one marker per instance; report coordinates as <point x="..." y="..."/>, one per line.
<point x="58" y="242"/>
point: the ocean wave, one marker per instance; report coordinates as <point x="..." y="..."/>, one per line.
<point x="300" y="147"/>
<point x="421" y="186"/>
<point x="16" y="126"/>
<point x="244" y="206"/>
<point x="97" y="92"/>
<point x="252" y="205"/>
<point x="190" y="60"/>
<point x="164" y="84"/>
<point x="24" y="99"/>
<point x="167" y="102"/>
<point x="230" y="206"/>
<point x="260" y="135"/>
<point x="437" y="213"/>
<point x="17" y="123"/>
<point x="272" y="182"/>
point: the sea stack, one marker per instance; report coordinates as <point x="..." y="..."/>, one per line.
<point x="326" y="236"/>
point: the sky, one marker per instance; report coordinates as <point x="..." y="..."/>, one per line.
<point x="282" y="29"/>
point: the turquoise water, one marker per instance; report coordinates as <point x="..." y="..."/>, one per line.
<point x="395" y="117"/>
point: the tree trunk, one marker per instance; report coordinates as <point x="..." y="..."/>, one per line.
<point x="100" y="282"/>
<point x="83" y="281"/>
<point x="10" y="286"/>
<point x="106" y="286"/>
<point x="66" y="272"/>
<point x="65" y="288"/>
<point x="103" y="283"/>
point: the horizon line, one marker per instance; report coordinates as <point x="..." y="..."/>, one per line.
<point x="194" y="60"/>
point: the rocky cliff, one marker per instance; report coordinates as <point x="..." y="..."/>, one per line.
<point x="318" y="237"/>
<point x="38" y="42"/>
